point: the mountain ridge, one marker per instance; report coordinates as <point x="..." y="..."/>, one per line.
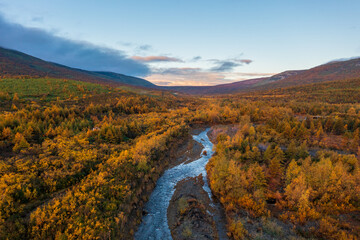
<point x="14" y="63"/>
<point x="327" y="72"/>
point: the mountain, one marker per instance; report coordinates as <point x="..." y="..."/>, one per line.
<point x="339" y="70"/>
<point x="14" y="63"/>
<point x="235" y="86"/>
<point x="327" y="72"/>
<point x="339" y="91"/>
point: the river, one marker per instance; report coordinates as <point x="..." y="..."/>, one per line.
<point x="154" y="225"/>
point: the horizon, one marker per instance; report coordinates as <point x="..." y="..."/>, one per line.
<point x="215" y="44"/>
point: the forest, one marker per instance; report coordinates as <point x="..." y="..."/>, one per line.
<point x="79" y="160"/>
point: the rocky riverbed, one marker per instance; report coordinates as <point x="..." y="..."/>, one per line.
<point x="190" y="214"/>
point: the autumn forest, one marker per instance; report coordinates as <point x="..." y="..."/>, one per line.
<point x="79" y="160"/>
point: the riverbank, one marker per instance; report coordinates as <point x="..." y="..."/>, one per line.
<point x="188" y="150"/>
<point x="184" y="149"/>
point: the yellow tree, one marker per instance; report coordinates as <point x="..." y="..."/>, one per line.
<point x="20" y="143"/>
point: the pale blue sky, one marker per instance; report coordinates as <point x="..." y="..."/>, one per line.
<point x="275" y="35"/>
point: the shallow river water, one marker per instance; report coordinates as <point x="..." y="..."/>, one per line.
<point x="154" y="225"/>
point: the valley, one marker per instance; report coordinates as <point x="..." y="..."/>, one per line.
<point x="89" y="158"/>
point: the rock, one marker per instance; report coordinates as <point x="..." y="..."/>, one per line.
<point x="144" y="212"/>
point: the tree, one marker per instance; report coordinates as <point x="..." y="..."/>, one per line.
<point x="291" y="150"/>
<point x="20" y="143"/>
<point x="287" y="131"/>
<point x="338" y="127"/>
<point x="302" y="151"/>
<point x="355" y="141"/>
<point x="329" y="124"/>
<point x="302" y="132"/>
<point x="6" y="133"/>
<point x="272" y="152"/>
<point x="13" y="107"/>
<point x="275" y="168"/>
<point x="292" y="171"/>
<point x="252" y="131"/>
<point x="351" y="111"/>
<point x="16" y="97"/>
<point x="319" y="132"/>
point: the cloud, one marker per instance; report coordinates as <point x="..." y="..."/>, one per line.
<point x="37" y="19"/>
<point x="241" y="76"/>
<point x="188" y="76"/>
<point x="225" y="66"/>
<point x="156" y="59"/>
<point x="342" y="59"/>
<point x="49" y="47"/>
<point x="126" y="44"/>
<point x="197" y="58"/>
<point x="161" y="82"/>
<point x="245" y="61"/>
<point x="250" y="75"/>
<point x="179" y="71"/>
<point x="145" y="47"/>
<point x="228" y="65"/>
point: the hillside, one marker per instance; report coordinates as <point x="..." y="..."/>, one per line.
<point x="14" y="64"/>
<point x="235" y="86"/>
<point x="339" y="91"/>
<point x="18" y="64"/>
<point x="327" y="72"/>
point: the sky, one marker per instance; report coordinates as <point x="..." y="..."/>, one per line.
<point x="185" y="42"/>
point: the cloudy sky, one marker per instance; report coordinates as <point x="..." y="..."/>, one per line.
<point x="171" y="42"/>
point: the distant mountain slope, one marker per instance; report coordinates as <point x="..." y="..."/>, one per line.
<point x="339" y="91"/>
<point x="218" y="89"/>
<point x="332" y="71"/>
<point x="235" y="86"/>
<point x="327" y="72"/>
<point x="14" y="63"/>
